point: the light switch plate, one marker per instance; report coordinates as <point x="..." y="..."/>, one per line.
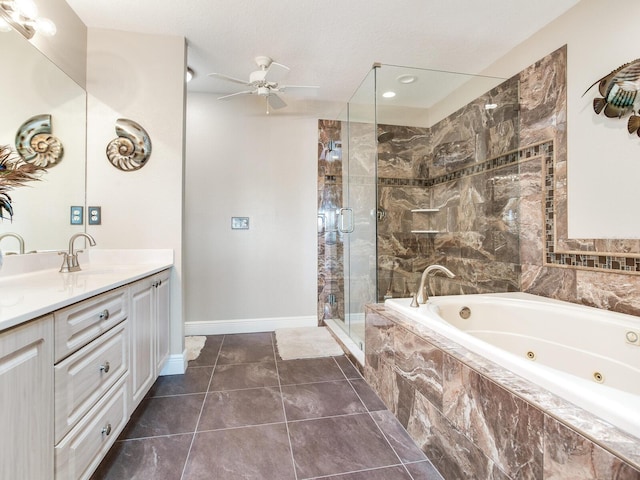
<point x="95" y="215"/>
<point x="76" y="215"/>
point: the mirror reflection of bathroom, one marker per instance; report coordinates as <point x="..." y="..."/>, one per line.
<point x="41" y="209"/>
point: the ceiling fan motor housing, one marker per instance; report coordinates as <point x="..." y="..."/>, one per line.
<point x="257" y="77"/>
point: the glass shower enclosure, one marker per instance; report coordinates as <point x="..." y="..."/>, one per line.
<point x="379" y="211"/>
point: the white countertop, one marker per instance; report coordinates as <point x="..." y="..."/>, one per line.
<point x="31" y="285"/>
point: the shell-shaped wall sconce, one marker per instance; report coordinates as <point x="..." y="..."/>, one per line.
<point x="131" y="150"/>
<point x="36" y="145"/>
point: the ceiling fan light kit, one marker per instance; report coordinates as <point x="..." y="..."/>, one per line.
<point x="263" y="82"/>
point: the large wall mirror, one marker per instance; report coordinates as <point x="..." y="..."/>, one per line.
<point x="32" y="85"/>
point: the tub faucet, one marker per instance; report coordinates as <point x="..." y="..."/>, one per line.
<point x="70" y="259"/>
<point x="423" y="296"/>
<point x="17" y="237"/>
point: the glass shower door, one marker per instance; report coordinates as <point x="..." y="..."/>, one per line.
<point x="357" y="218"/>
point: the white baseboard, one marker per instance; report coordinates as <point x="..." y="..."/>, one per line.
<point x="175" y="364"/>
<point x="247" y="325"/>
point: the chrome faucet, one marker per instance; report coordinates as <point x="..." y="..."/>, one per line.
<point x="17" y="237"/>
<point x="70" y="259"/>
<point x="423" y="296"/>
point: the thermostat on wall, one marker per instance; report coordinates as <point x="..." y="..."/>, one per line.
<point x="240" y="223"/>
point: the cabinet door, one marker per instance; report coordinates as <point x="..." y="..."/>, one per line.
<point x="163" y="313"/>
<point x="26" y="396"/>
<point x="142" y="331"/>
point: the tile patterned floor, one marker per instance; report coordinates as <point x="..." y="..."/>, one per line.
<point x="240" y="412"/>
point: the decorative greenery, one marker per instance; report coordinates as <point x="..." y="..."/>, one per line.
<point x="14" y="172"/>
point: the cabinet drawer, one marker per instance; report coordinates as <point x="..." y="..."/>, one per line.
<point x="85" y="376"/>
<point x="80" y="452"/>
<point x="77" y="325"/>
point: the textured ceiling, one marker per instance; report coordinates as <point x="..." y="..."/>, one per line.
<point x="330" y="43"/>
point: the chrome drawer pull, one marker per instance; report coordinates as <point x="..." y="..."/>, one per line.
<point x="105" y="367"/>
<point x="104" y="315"/>
<point x="106" y="430"/>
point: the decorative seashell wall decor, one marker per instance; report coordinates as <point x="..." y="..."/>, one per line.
<point x="131" y="150"/>
<point x="35" y="143"/>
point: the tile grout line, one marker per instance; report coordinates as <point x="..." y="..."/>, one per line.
<point x="378" y="426"/>
<point x="284" y="411"/>
<point x="193" y="438"/>
<point x="373" y="469"/>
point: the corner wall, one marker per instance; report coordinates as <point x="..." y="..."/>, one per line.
<point x="139" y="77"/>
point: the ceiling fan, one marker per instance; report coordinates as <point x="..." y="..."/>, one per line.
<point x="264" y="82"/>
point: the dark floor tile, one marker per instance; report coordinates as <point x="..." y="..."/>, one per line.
<point x="230" y="354"/>
<point x="368" y="396"/>
<point x="247" y="375"/>
<point x="164" y="416"/>
<point x="335" y="445"/>
<point x="398" y="437"/>
<point x="249" y="339"/>
<point x="309" y="370"/>
<point x="258" y="453"/>
<point x="388" y="473"/>
<point x="209" y="353"/>
<point x="315" y="400"/>
<point x="239" y="408"/>
<point x="350" y="371"/>
<point x="194" y="380"/>
<point x="157" y="457"/>
<point x="423" y="471"/>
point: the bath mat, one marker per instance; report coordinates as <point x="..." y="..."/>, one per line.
<point x="193" y="346"/>
<point x="306" y="342"/>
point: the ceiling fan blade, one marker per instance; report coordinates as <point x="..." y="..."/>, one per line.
<point x="287" y="87"/>
<point x="276" y="72"/>
<point x="275" y="101"/>
<point x="222" y="76"/>
<point x="244" y="92"/>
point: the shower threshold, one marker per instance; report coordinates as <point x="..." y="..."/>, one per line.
<point x="355" y="349"/>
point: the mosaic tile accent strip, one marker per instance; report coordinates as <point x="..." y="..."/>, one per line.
<point x="578" y="260"/>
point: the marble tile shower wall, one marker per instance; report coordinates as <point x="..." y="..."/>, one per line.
<point x="330" y="245"/>
<point x="448" y="167"/>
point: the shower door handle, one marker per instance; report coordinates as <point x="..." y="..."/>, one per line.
<point x="342" y="228"/>
<point x="322" y="223"/>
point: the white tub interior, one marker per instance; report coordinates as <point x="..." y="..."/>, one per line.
<point x="581" y="354"/>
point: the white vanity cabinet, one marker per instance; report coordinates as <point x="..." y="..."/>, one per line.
<point x="26" y="390"/>
<point x="91" y="372"/>
<point x="149" y="332"/>
<point x="72" y="373"/>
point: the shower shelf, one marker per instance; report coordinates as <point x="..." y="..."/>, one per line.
<point x="425" y="210"/>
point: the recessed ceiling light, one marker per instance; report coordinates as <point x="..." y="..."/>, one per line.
<point x="389" y="94"/>
<point x="407" y="79"/>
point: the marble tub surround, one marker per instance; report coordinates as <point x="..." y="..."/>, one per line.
<point x="474" y="419"/>
<point x="32" y="286"/>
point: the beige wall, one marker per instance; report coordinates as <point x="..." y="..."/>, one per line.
<point x="139" y="77"/>
<point x="241" y="162"/>
<point x="603" y="158"/>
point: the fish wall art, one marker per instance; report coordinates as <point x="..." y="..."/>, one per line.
<point x="619" y="91"/>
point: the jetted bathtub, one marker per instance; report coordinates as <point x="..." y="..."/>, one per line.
<point x="588" y="356"/>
